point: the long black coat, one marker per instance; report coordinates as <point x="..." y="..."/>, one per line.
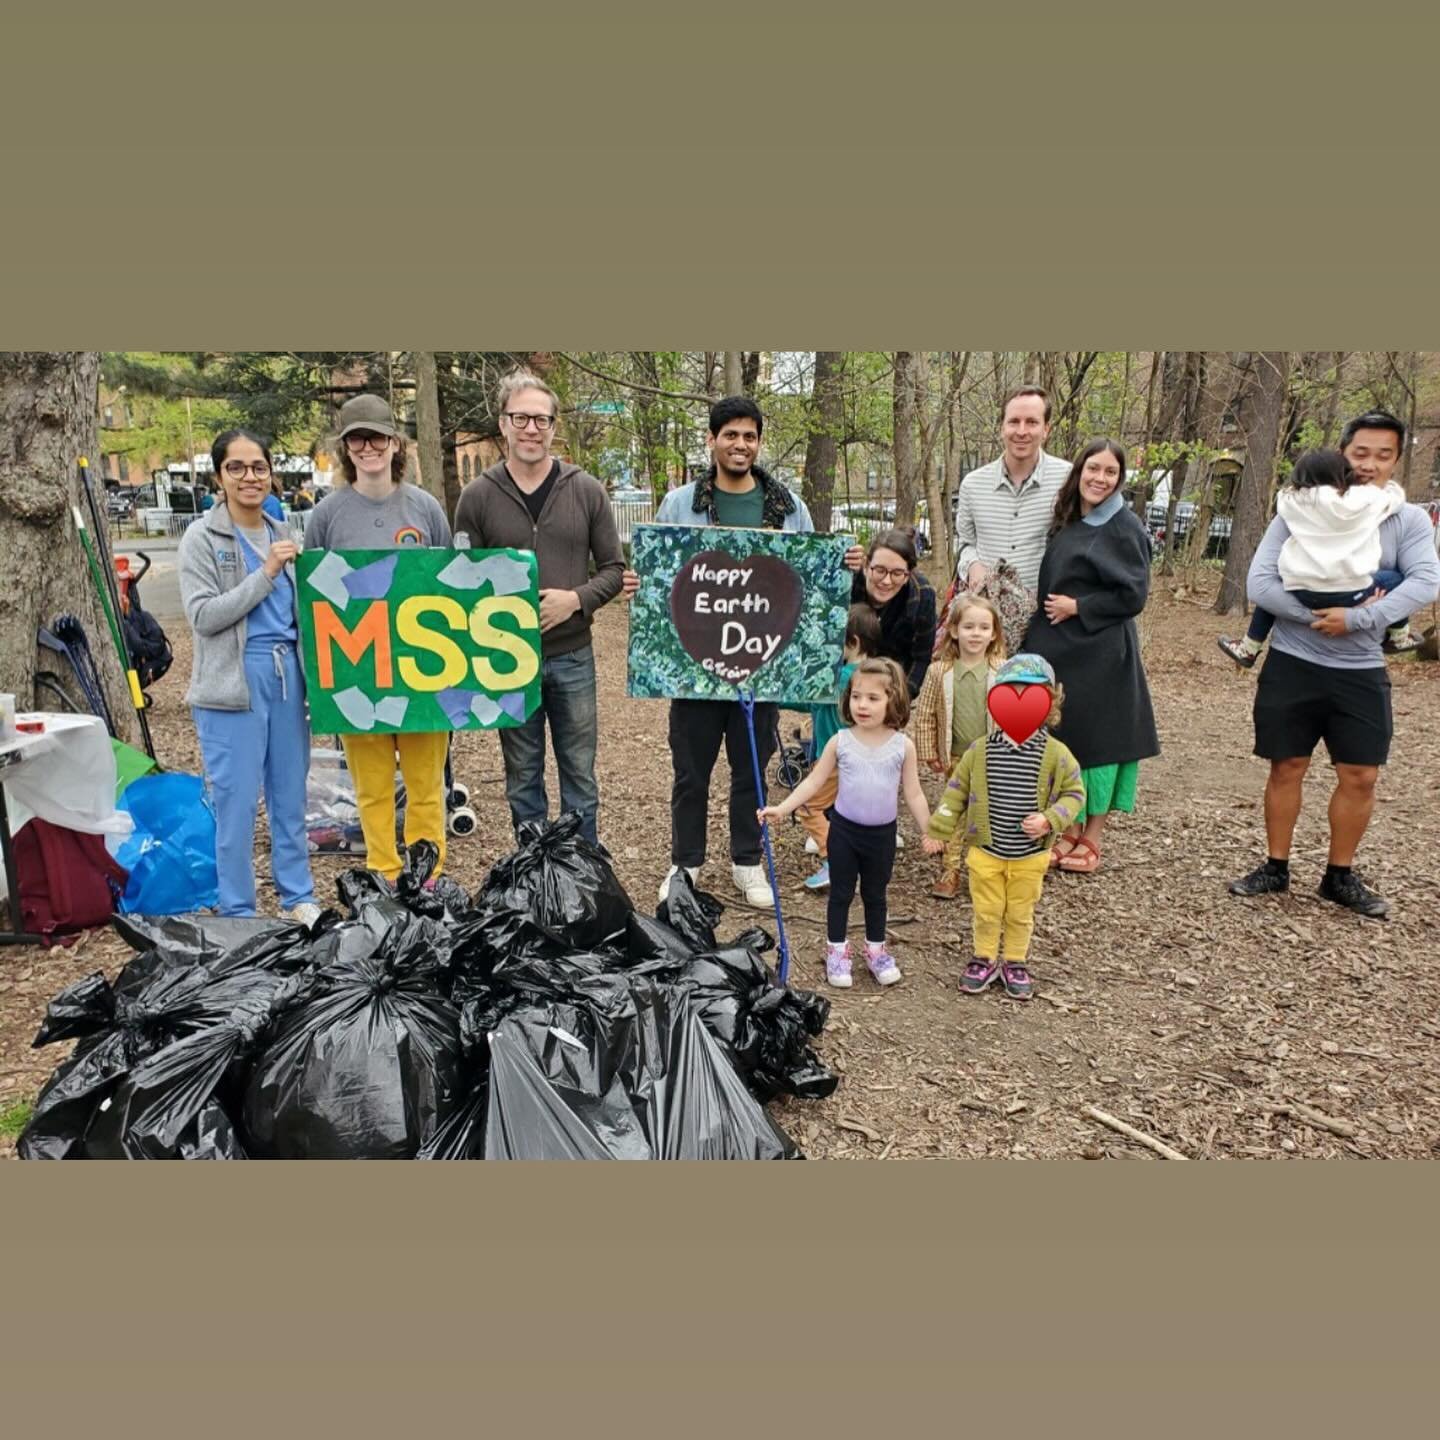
<point x="1107" y="717"/>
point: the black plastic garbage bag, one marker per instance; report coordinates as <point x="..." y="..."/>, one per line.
<point x="562" y="882"/>
<point x="626" y="1071"/>
<point x="151" y="1005"/>
<point x="368" y="1063"/>
<point x="444" y="900"/>
<point x="192" y="939"/>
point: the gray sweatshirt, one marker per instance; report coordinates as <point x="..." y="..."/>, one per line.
<point x="1407" y="544"/>
<point x="218" y="594"/>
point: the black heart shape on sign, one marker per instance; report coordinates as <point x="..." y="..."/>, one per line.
<point x="734" y="616"/>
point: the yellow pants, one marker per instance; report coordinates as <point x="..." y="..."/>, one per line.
<point x="1002" y="896"/>
<point x="371" y="759"/>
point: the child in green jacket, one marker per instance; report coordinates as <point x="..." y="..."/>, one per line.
<point x="1013" y="800"/>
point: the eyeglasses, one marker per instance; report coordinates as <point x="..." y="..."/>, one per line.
<point x="238" y="469"/>
<point x="522" y="421"/>
<point x="358" y="444"/>
<point x="879" y="572"/>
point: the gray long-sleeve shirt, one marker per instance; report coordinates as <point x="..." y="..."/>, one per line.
<point x="1406" y="544"/>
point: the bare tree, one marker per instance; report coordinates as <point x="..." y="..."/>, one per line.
<point x="1260" y="411"/>
<point x="734" y="372"/>
<point x="827" y="419"/>
<point x="49" y="404"/>
<point x="428" y="443"/>
<point x="905" y="451"/>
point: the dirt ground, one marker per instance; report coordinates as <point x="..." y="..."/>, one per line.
<point x="1197" y="1018"/>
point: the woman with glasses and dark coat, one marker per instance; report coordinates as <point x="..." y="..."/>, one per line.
<point x="247" y="692"/>
<point x="904" y="601"/>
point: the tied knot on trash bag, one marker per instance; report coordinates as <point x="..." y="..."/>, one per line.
<point x="546" y="1018"/>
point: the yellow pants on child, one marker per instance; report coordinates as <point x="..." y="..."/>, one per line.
<point x="371" y="761"/>
<point x="1002" y="896"/>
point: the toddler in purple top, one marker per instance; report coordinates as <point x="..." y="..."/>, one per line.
<point x="875" y="762"/>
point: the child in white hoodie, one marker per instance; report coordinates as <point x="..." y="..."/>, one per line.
<point x="1333" y="552"/>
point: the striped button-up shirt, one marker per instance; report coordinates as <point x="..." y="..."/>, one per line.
<point x="994" y="521"/>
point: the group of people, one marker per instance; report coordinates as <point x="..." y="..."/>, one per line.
<point x="1052" y="570"/>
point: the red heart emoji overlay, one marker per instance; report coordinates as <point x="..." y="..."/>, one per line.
<point x="1019" y="710"/>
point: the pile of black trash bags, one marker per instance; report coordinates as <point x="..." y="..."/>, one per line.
<point x="544" y="1019"/>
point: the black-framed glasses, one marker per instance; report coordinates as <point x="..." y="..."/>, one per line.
<point x="360" y="443"/>
<point x="522" y="421"/>
<point x="238" y="469"/>
<point x="879" y="572"/>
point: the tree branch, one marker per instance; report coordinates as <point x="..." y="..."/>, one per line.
<point x="635" y="385"/>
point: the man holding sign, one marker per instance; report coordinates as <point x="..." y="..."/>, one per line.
<point x="736" y="493"/>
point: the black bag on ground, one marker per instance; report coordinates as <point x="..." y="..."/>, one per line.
<point x="563" y="882"/>
<point x="625" y="1071"/>
<point x="367" y="1064"/>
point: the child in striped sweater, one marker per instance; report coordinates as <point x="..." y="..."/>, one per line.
<point x="1010" y="801"/>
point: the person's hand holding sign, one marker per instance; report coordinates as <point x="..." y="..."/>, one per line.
<point x="556" y="606"/>
<point x="629" y="584"/>
<point x="282" y="552"/>
<point x="855" y="558"/>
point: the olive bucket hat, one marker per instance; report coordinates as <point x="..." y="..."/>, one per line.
<point x="367" y="412"/>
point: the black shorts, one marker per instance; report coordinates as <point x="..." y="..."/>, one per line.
<point x="1299" y="703"/>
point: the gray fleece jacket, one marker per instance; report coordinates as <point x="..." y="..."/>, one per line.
<point x="218" y="594"/>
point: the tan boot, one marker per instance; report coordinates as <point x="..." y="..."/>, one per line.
<point x="947" y="887"/>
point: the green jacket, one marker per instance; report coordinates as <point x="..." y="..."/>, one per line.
<point x="1060" y="795"/>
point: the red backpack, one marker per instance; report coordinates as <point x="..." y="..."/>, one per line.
<point x="68" y="880"/>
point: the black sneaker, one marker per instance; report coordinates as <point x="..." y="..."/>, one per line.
<point x="1261" y="881"/>
<point x="1237" y="652"/>
<point x="1349" y="891"/>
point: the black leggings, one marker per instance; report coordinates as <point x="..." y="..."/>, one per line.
<point x="858" y="852"/>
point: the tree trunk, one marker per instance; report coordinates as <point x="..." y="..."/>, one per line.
<point x="1262" y="410"/>
<point x="1328" y="431"/>
<point x="1180" y="419"/>
<point x="449" y="443"/>
<point x="750" y="371"/>
<point x="904" y="450"/>
<point x="734" y="372"/>
<point x="826" y="420"/>
<point x="427" y="425"/>
<point x="49" y="408"/>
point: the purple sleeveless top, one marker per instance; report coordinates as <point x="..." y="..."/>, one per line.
<point x="869" y="779"/>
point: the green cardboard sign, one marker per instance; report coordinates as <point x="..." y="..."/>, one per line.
<point x="724" y="609"/>
<point x="418" y="640"/>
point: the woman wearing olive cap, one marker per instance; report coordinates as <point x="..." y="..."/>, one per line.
<point x="372" y="507"/>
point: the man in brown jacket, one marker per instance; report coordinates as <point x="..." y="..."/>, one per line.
<point x="532" y="501"/>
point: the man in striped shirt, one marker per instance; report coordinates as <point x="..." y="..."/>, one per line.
<point x="1003" y="509"/>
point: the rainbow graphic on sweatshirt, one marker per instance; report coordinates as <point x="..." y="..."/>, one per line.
<point x="409" y="535"/>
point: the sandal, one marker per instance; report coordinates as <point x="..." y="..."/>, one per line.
<point x="1078" y="864"/>
<point x="1056" y="854"/>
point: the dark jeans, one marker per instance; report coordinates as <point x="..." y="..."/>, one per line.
<point x="1262" y="621"/>
<point x="858" y="852"/>
<point x="567" y="700"/>
<point x="697" y="728"/>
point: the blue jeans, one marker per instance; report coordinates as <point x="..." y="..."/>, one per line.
<point x="269" y="745"/>
<point x="1262" y="621"/>
<point x="567" y="700"/>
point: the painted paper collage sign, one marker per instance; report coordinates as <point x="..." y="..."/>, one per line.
<point x="721" y="609"/>
<point x="419" y="639"/>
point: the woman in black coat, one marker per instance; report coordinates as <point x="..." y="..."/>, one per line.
<point x="1094" y="581"/>
<point x="904" y="601"/>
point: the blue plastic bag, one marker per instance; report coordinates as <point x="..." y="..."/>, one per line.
<point x="171" y="855"/>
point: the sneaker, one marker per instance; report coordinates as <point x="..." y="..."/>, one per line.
<point x="820" y="880"/>
<point x="812" y="846"/>
<point x="837" y="965"/>
<point x="947" y="887"/>
<point x="1017" y="982"/>
<point x="691" y="870"/>
<point x="1350" y="891"/>
<point x="306" y="913"/>
<point x="978" y="975"/>
<point x="1400" y="642"/>
<point x="899" y="841"/>
<point x="750" y="881"/>
<point x="1261" y="881"/>
<point x="1237" y="652"/>
<point x="882" y="964"/>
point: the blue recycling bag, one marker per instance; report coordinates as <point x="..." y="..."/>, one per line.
<point x="171" y="855"/>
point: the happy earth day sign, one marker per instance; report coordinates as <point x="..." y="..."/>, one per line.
<point x="419" y="640"/>
<point x="723" y="609"/>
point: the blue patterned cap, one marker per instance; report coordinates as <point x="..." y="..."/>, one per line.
<point x="1025" y="670"/>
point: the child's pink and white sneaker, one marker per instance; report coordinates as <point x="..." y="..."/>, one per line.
<point x="882" y="963"/>
<point x="837" y="965"/>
